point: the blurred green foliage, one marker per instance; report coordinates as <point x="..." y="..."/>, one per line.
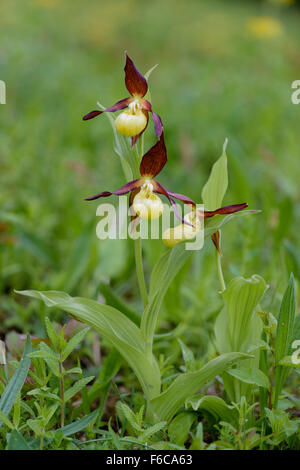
<point x="216" y="79"/>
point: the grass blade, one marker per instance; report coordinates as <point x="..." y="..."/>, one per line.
<point x="15" y="385"/>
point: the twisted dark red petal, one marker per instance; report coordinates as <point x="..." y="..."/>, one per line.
<point x="159" y="189"/>
<point x="155" y="159"/>
<point x="182" y="197"/>
<point x="127" y="188"/>
<point x="116" y="107"/>
<point x="158" y="125"/>
<point x="135" y="83"/>
<point x="225" y="210"/>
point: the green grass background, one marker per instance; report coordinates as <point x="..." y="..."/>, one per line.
<point x="214" y="80"/>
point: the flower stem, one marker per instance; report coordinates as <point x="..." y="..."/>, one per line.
<point x="138" y="243"/>
<point x="140" y="271"/>
<point x="220" y="272"/>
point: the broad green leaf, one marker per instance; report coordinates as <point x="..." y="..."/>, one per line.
<point x="216" y="186"/>
<point x="15" y="384"/>
<point x="284" y="335"/>
<point x="115" y="327"/>
<point x="251" y="376"/>
<point x="186" y="385"/>
<point x="216" y="406"/>
<point x="76" y="388"/>
<point x="180" y="426"/>
<point x="285" y="325"/>
<point x="259" y="345"/>
<point x="219" y="221"/>
<point x="241" y="297"/>
<point x="73" y="342"/>
<point x="237" y="327"/>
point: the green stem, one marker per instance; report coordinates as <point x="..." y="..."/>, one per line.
<point x="141" y="145"/>
<point x="41" y="442"/>
<point x="138" y="243"/>
<point x="140" y="271"/>
<point x="220" y="272"/>
<point x="62" y="396"/>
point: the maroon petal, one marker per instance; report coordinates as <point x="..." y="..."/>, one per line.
<point x="158" y="125"/>
<point x="91" y="115"/>
<point x="127" y="188"/>
<point x="135" y="83"/>
<point x="146" y="105"/>
<point x="131" y="198"/>
<point x="116" y="107"/>
<point x="226" y="210"/>
<point x="158" y="188"/>
<point x="182" y="197"/>
<point x="155" y="159"/>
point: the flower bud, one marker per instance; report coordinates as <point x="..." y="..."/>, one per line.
<point x="182" y="232"/>
<point x="131" y="124"/>
<point x="147" y="206"/>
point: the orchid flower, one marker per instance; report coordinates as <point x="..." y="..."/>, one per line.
<point x="133" y="121"/>
<point x="192" y="225"/>
<point x="143" y="191"/>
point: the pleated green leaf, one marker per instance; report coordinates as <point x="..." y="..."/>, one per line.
<point x="186" y="385"/>
<point x="284" y="335"/>
<point x="285" y="324"/>
<point x="113" y="325"/>
<point x="251" y="375"/>
<point x="241" y="297"/>
<point x="216" y="186"/>
<point x="216" y="406"/>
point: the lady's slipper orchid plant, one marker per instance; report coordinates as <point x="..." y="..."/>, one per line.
<point x="133" y="121"/>
<point x="146" y="204"/>
<point x="134" y="339"/>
